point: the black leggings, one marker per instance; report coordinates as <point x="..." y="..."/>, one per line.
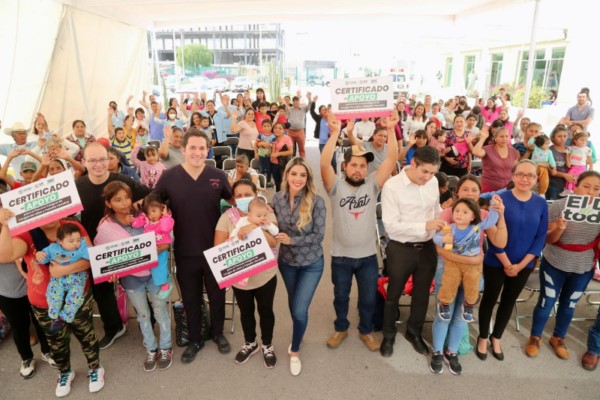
<point x="19" y="314"/>
<point x="264" y="297"/>
<point x="495" y="280"/>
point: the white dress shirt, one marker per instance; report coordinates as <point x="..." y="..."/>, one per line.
<point x="407" y="207"/>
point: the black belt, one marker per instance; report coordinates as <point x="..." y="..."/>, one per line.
<point x="414" y="245"/>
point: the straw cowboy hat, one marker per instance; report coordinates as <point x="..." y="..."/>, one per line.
<point x="17" y="127"/>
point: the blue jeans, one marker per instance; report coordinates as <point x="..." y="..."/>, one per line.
<point x="366" y="271"/>
<point x="136" y="288"/>
<point x="455" y="328"/>
<point x="301" y="283"/>
<point x="265" y="166"/>
<point x="567" y="288"/>
<point x="593" y="342"/>
<point x="553" y="191"/>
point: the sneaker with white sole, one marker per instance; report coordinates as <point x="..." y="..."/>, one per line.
<point x="295" y="366"/>
<point x="437" y="364"/>
<point x="63" y="387"/>
<point x="150" y="362"/>
<point x="96" y="379"/>
<point x="110" y="338"/>
<point x="165" y="358"/>
<point x="269" y="356"/>
<point x="27" y="368"/>
<point x="453" y="365"/>
<point x="247" y="351"/>
<point x="47" y="357"/>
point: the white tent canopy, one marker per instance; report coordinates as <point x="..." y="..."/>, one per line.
<point x="69" y="58"/>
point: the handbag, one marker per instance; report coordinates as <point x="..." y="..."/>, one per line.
<point x="283" y="160"/>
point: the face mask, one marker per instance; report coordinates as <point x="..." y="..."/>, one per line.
<point x="243" y="203"/>
<point x="172" y="116"/>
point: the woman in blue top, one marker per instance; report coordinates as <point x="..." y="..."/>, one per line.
<point x="507" y="269"/>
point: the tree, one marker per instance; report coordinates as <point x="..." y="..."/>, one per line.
<point x="195" y="55"/>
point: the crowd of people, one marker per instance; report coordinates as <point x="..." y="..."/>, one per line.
<point x="148" y="173"/>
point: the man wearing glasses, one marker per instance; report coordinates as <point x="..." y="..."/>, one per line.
<point x="90" y="187"/>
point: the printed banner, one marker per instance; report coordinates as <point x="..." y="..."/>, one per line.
<point x="123" y="257"/>
<point x="362" y="97"/>
<point x="582" y="209"/>
<point x="41" y="202"/>
<point x="235" y="260"/>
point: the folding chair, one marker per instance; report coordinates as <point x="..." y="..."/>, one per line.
<point x="232" y="141"/>
<point x="228" y="164"/>
<point x="532" y="286"/>
<point x="222" y="151"/>
<point x="210" y="162"/>
<point x="255" y="164"/>
<point x="262" y="181"/>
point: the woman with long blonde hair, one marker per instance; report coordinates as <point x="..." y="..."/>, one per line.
<point x="301" y="216"/>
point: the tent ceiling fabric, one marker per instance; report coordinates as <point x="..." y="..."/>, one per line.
<point x="155" y="14"/>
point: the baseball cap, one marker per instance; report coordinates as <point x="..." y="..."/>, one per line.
<point x="28" y="166"/>
<point x="358" y="151"/>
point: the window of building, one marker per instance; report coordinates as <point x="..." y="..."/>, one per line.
<point x="555" y="68"/>
<point x="448" y="75"/>
<point x="168" y="44"/>
<point x="469" y="66"/>
<point x="496" y="69"/>
<point x="547" y="67"/>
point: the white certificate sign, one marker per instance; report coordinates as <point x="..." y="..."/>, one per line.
<point x="41" y="202"/>
<point x="235" y="260"/>
<point x="123" y="257"/>
<point x="582" y="209"/>
<point x="362" y="97"/>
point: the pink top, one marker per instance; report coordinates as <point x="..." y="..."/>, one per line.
<point x="247" y="135"/>
<point x="278" y="144"/>
<point x="489" y="115"/>
<point x="433" y="142"/>
<point x="161" y="228"/>
<point x="497" y="171"/>
<point x="149" y="173"/>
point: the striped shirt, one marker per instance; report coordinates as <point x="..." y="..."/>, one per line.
<point x="124" y="147"/>
<point x="576" y="233"/>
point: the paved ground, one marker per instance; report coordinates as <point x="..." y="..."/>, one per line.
<point x="350" y="372"/>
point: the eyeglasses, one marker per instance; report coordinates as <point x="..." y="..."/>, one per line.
<point x="97" y="160"/>
<point x="521" y="175"/>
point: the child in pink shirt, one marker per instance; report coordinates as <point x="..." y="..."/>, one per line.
<point x="151" y="169"/>
<point x="157" y="218"/>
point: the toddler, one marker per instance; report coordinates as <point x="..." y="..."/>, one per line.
<point x="65" y="294"/>
<point x="156" y="218"/>
<point x="579" y="155"/>
<point x="263" y="149"/>
<point x="463" y="237"/>
<point x="120" y="141"/>
<point x="415" y="140"/>
<point x="151" y="169"/>
<point x="542" y="154"/>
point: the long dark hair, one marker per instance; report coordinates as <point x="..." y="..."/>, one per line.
<point x="111" y="191"/>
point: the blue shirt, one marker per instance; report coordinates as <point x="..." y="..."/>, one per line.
<point x="222" y="123"/>
<point x="56" y="253"/>
<point x="467" y="241"/>
<point x="323" y="132"/>
<point x="410" y="154"/>
<point x="6" y="149"/>
<point x="527" y="223"/>
<point x="156" y="128"/>
<point x="117" y="119"/>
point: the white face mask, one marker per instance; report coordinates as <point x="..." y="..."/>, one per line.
<point x="172" y="116"/>
<point x="243" y="203"/>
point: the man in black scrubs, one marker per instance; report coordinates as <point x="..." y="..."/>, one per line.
<point x="90" y="189"/>
<point x="194" y="191"/>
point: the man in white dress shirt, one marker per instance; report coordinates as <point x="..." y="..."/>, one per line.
<point x="411" y="206"/>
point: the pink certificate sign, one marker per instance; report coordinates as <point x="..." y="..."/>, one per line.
<point x="362" y="97"/>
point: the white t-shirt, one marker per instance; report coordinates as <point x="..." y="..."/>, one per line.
<point x="364" y="129"/>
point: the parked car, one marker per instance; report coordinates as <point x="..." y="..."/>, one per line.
<point x="219" y="84"/>
<point x="241" y="84"/>
<point x="174" y="83"/>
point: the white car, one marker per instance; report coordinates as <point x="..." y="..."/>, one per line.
<point x="241" y="84"/>
<point x="221" y="84"/>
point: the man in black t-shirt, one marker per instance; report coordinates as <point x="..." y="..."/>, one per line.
<point x="90" y="189"/>
<point x="194" y="191"/>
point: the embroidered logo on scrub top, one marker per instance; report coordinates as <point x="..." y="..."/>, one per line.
<point x="215" y="183"/>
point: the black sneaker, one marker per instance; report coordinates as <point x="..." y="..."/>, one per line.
<point x="189" y="354"/>
<point x="467" y="312"/>
<point x="222" y="344"/>
<point x="150" y="362"/>
<point x="437" y="363"/>
<point x="247" y="351"/>
<point x="269" y="356"/>
<point x="110" y="338"/>
<point x="453" y="364"/>
<point x="444" y="311"/>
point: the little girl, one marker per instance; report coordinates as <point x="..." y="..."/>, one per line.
<point x="152" y="168"/>
<point x="463" y="237"/>
<point x="470" y="127"/>
<point x="263" y="149"/>
<point x="156" y="218"/>
<point x="578" y="157"/>
<point x="542" y="154"/>
<point x="415" y="140"/>
<point x="139" y="286"/>
<point x="65" y="294"/>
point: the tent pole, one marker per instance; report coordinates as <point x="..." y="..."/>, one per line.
<point x="531" y="60"/>
<point x="80" y="70"/>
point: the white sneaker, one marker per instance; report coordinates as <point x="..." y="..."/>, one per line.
<point x="96" y="379"/>
<point x="63" y="387"/>
<point x="27" y="368"/>
<point x="295" y="366"/>
<point x="47" y="357"/>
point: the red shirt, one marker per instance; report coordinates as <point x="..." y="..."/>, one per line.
<point x="259" y="118"/>
<point x="38" y="276"/>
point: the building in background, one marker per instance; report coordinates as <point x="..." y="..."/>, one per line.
<point x="231" y="44"/>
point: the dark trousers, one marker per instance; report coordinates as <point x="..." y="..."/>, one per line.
<point x="402" y="262"/>
<point x="18" y="313"/>
<point x="264" y="297"/>
<point x="83" y="329"/>
<point x="277" y="172"/>
<point x="495" y="280"/>
<point x="193" y="274"/>
<point x="104" y="295"/>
